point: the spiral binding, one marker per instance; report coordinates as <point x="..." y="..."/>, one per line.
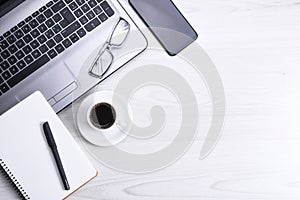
<point x="13" y="181"/>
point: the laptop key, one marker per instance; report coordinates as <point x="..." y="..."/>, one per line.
<point x="26" y="28"/>
<point x="110" y="12"/>
<point x="42" y="39"/>
<point x="80" y="2"/>
<point x="50" y="43"/>
<point x="49" y="4"/>
<point x="6" y="75"/>
<point x="43" y="48"/>
<point x="34" y="33"/>
<point x="67" y="43"/>
<point x="21" y="64"/>
<point x="92" y="3"/>
<point x="41" y="18"/>
<point x="33" y="24"/>
<point x="6" y="34"/>
<point x="28" y="19"/>
<point x="35" y="13"/>
<point x="90" y="15"/>
<point x="1" y="80"/>
<point x="83" y="20"/>
<point x="13" y="70"/>
<point x="73" y="6"/>
<point x="36" y="53"/>
<point x="28" y="59"/>
<point x="59" y="48"/>
<point x="42" y="28"/>
<point x="19" y="34"/>
<point x="4" y="65"/>
<point x="74" y="38"/>
<point x="66" y="13"/>
<point x="103" y="17"/>
<point x="64" y="23"/>
<point x="42" y="9"/>
<point x="20" y="43"/>
<point x="85" y="8"/>
<point x="52" y="53"/>
<point x="12" y="60"/>
<point x="5" y="54"/>
<point x="107" y="9"/>
<point x="34" y="44"/>
<point x="81" y="32"/>
<point x="97" y="10"/>
<point x="28" y="70"/>
<point x="57" y="17"/>
<point x="4" y="44"/>
<point x="70" y="29"/>
<point x="13" y="29"/>
<point x="78" y="12"/>
<point x="58" y="6"/>
<point x="27" y="38"/>
<point x="11" y="39"/>
<point x="21" y="24"/>
<point x="4" y="88"/>
<point x="48" y="13"/>
<point x="56" y="28"/>
<point x="20" y="54"/>
<point x="12" y="49"/>
<point x="49" y="34"/>
<point x="92" y="24"/>
<point x="27" y="49"/>
<point x="58" y="38"/>
<point x="49" y="23"/>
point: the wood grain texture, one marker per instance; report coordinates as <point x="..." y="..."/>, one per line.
<point x="255" y="46"/>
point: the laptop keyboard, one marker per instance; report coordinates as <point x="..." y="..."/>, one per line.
<point x="46" y="33"/>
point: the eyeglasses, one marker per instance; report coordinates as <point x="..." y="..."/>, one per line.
<point x="104" y="57"/>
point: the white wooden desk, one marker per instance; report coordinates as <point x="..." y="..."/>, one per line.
<point x="255" y="46"/>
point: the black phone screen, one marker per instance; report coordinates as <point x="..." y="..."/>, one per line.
<point x="166" y="22"/>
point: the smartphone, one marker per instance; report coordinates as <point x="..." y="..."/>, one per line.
<point x="166" y="22"/>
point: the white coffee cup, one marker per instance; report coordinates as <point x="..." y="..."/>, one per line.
<point x="113" y="127"/>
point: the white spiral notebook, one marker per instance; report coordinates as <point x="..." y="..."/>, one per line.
<point x="26" y="159"/>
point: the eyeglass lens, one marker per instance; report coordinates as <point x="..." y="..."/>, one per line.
<point x="120" y="33"/>
<point x="103" y="63"/>
<point x="116" y="39"/>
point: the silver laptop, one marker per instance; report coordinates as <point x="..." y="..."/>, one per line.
<point x="44" y="44"/>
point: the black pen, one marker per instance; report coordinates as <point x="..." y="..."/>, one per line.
<point x="52" y="144"/>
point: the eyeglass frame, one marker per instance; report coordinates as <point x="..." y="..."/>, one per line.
<point x="107" y="47"/>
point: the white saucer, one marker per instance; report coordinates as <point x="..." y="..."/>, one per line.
<point x="103" y="137"/>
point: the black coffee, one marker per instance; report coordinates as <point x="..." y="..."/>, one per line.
<point x="103" y="115"/>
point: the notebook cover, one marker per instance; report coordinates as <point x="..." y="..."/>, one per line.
<point x="24" y="149"/>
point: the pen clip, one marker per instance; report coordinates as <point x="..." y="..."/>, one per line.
<point x="49" y="135"/>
